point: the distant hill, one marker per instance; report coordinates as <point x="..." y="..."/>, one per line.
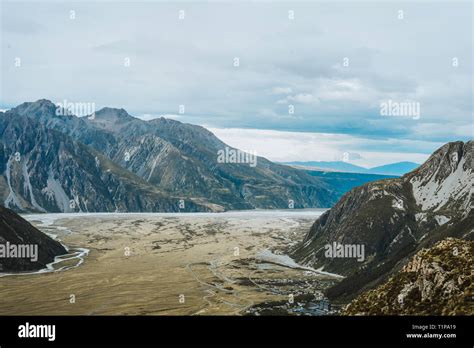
<point x="343" y="182"/>
<point x="397" y="169"/>
<point x="338" y="166"/>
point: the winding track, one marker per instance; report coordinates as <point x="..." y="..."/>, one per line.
<point x="214" y="289"/>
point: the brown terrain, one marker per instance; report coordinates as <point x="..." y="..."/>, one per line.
<point x="162" y="264"/>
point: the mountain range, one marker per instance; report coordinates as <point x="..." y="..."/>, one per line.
<point x="392" y="219"/>
<point x="52" y="161"/>
<point x="397" y="169"/>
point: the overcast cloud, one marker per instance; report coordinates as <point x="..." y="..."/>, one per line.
<point x="293" y="76"/>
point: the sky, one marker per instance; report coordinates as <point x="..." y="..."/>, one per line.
<point x="292" y="81"/>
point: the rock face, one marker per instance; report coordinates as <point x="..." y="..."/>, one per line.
<point x="115" y="162"/>
<point x="436" y="281"/>
<point x="394" y="218"/>
<point x="15" y="232"/>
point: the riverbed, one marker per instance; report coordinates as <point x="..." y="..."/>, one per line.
<point x="232" y="263"/>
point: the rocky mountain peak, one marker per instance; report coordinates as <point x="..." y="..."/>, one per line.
<point x="39" y="108"/>
<point x="445" y="178"/>
<point x="113" y="114"/>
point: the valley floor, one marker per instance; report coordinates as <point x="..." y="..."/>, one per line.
<point x="170" y="264"/>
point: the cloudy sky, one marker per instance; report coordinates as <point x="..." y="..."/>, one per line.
<point x="291" y="81"/>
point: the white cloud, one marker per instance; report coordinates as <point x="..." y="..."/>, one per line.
<point x="304" y="98"/>
<point x="438" y="130"/>
<point x="346" y="90"/>
<point x="281" y="90"/>
<point x="268" y="112"/>
<point x="176" y="62"/>
<point x="294" y="146"/>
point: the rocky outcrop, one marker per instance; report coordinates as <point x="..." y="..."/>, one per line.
<point x="436" y="281"/>
<point x="22" y="246"/>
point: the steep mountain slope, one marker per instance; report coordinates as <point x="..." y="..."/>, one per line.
<point x="183" y="158"/>
<point x="436" y="281"/>
<point x="18" y="232"/>
<point x="393" y="218"/>
<point x="175" y="159"/>
<point x="47" y="171"/>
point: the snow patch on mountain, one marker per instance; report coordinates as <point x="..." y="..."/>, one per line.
<point x="420" y="217"/>
<point x="441" y="219"/>
<point x="434" y="195"/>
<point x="28" y="188"/>
<point x="11" y="198"/>
<point x="398" y="204"/>
<point x="55" y="191"/>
